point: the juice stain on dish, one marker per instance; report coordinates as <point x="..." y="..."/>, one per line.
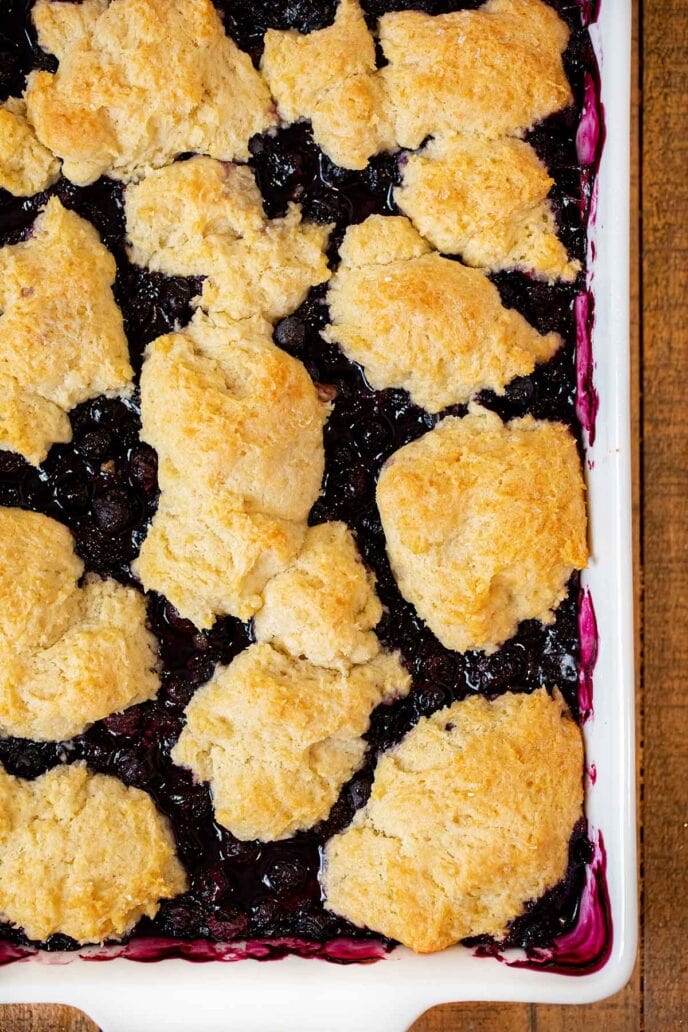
<point x="589" y="643"/>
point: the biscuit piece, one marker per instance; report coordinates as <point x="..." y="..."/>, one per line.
<point x="82" y="855"/>
<point x="494" y="71"/>
<point x="416" y="320"/>
<point x="329" y="77"/>
<point x="485" y="522"/>
<point x="69" y="655"/>
<point x="61" y="334"/>
<point x="26" y="166"/>
<point x="205" y="218"/>
<point x="487" y="201"/>
<point x="468" y="820"/>
<point x="324" y="606"/>
<point x="222" y="400"/>
<point x="139" y="82"/>
<point x="210" y="560"/>
<point x="277" y="737"/>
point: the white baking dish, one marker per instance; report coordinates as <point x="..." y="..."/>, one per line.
<point x="297" y="995"/>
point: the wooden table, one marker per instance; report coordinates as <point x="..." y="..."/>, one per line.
<point x="656" y="999"/>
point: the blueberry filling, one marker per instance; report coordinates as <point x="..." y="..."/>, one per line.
<point x="103" y="485"/>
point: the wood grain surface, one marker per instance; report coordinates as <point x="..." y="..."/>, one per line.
<point x="656" y="999"/>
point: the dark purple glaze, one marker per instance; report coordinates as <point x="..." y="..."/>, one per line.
<point x="250" y="898"/>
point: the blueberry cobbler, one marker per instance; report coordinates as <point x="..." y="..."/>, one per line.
<point x="292" y="504"/>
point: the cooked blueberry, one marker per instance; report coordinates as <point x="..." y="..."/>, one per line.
<point x="358" y="789"/>
<point x="228" y="925"/>
<point x="143" y="467"/>
<point x="177" y="622"/>
<point x="27" y="759"/>
<point x="104" y="553"/>
<point x="182" y="794"/>
<point x="133" y="769"/>
<point x="97" y="753"/>
<point x="211" y="885"/>
<point x="10" y="67"/>
<point x="520" y="391"/>
<point x="11" y="464"/>
<point x="498" y="672"/>
<point x="128" y="722"/>
<point x="373" y="437"/>
<point x="290" y="333"/>
<point x="284" y="876"/>
<point x="60" y="944"/>
<point x="164" y="727"/>
<point x="108" y="413"/>
<point x="314" y="925"/>
<point x="113" y="510"/>
<point x="266" y="918"/>
<point x="243" y="853"/>
<point x="429" y="698"/>
<point x="200" y="667"/>
<point x="182" y="917"/>
<point x="72" y="495"/>
<point x="440" y="667"/>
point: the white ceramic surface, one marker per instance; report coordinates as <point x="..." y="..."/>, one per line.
<point x="296" y="995"/>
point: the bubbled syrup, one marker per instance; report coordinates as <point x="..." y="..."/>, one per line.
<point x="103" y="486"/>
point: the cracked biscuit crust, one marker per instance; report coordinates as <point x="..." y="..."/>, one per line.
<point x="324" y="606"/>
<point x="485" y="522"/>
<point x="139" y="82"/>
<point x="416" y="320"/>
<point x="26" y="166"/>
<point x="495" y="71"/>
<point x="82" y="855"/>
<point x="485" y="200"/>
<point x="205" y="218"/>
<point x="221" y="399"/>
<point x="468" y="820"/>
<point x="69" y="655"/>
<point x="61" y="333"/>
<point x="329" y="77"/>
<point x="277" y="737"/>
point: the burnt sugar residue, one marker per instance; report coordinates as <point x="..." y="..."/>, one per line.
<point x="252" y="898"/>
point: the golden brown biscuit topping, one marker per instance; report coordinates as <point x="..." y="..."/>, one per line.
<point x="82" y="855"/>
<point x="495" y="71"/>
<point x="205" y="218"/>
<point x="221" y="399"/>
<point x="485" y="200"/>
<point x="323" y="606"/>
<point x="26" y="166"/>
<point x="416" y="320"/>
<point x="469" y="819"/>
<point x="485" y="522"/>
<point x="329" y="77"/>
<point x="61" y="333"/>
<point x="277" y="737"/>
<point x="140" y="82"/>
<point x="69" y="655"/>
